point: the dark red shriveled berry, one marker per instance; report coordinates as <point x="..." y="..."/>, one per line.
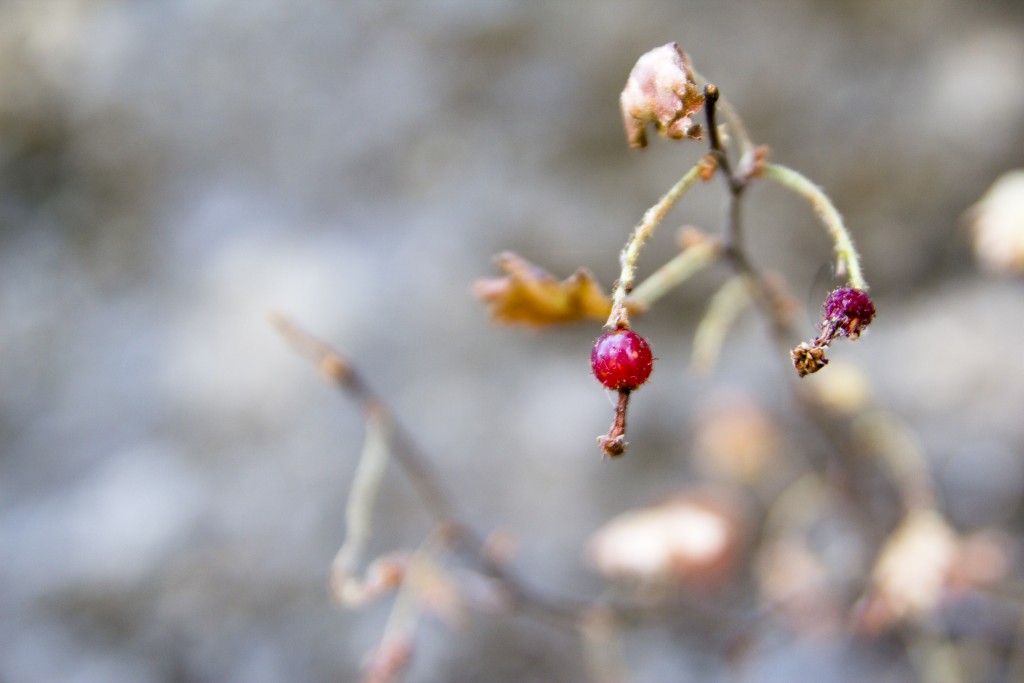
<point x="621" y="359"/>
<point x="848" y="311"/>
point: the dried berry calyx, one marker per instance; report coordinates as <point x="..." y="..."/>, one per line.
<point x="808" y="358"/>
<point x="621" y="359"/>
<point x="847" y="312"/>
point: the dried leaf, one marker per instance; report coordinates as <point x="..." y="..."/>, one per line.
<point x="529" y="295"/>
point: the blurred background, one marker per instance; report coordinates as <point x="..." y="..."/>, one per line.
<point x="173" y="477"/>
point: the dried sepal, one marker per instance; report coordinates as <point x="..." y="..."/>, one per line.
<point x="753" y="162"/>
<point x="529" y="295"/>
<point x="708" y="167"/>
<point x="661" y="90"/>
<point x="808" y="358"/>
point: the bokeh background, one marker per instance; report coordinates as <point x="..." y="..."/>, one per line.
<point x="173" y="476"/>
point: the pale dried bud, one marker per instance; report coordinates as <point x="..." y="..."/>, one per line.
<point x="661" y="90"/>
<point x="997" y="225"/>
<point x="689" y="538"/>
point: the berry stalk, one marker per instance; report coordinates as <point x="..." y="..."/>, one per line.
<point x="847" y="260"/>
<point x="621" y="360"/>
<point x="631" y="252"/>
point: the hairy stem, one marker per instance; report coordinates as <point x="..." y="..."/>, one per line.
<point x="651" y="219"/>
<point x="847" y="260"/>
<point x="725" y="306"/>
<point x="614" y="442"/>
<point x="850" y="469"/>
<point x="673" y="273"/>
<point x="736" y="124"/>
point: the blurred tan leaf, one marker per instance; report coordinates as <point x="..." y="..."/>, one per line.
<point x="529" y="295"/>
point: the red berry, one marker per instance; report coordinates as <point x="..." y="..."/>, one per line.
<point x="621" y="359"/>
<point x="848" y="311"/>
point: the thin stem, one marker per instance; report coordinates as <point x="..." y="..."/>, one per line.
<point x="761" y="291"/>
<point x="675" y="272"/>
<point x="725" y="306"/>
<point x="846" y="254"/>
<point x="773" y="306"/>
<point x="732" y="116"/>
<point x="345" y="586"/>
<point x="461" y="536"/>
<point x="405" y="610"/>
<point x="614" y="442"/>
<point x="651" y="219"/>
<point x="403" y="447"/>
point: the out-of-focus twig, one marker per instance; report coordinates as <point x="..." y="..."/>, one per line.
<point x="402" y="447"/>
<point x="392" y="657"/>
<point x="679" y="269"/>
<point x="725" y="306"/>
<point x="340" y="371"/>
<point x="345" y="584"/>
